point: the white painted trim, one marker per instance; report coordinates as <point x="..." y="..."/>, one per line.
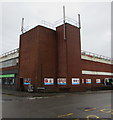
<point x="96" y="73"/>
<point x="96" y="59"/>
<point x="10" y="56"/>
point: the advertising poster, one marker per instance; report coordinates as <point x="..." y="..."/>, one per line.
<point x="27" y="81"/>
<point x="75" y="81"/>
<point x="61" y="81"/>
<point x="88" y="81"/>
<point x="82" y="81"/>
<point x="48" y="81"/>
<point x="98" y="81"/>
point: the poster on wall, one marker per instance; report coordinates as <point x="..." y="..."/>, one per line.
<point x="61" y="81"/>
<point x="88" y="81"/>
<point x="48" y="81"/>
<point x="27" y="81"/>
<point x="75" y="81"/>
<point x="98" y="81"/>
<point x="82" y="81"/>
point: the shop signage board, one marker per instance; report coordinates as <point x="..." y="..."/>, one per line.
<point x="88" y="81"/>
<point x="48" y="81"/>
<point x="27" y="81"/>
<point x="75" y="81"/>
<point x="98" y="81"/>
<point x="61" y="81"/>
<point x="7" y="76"/>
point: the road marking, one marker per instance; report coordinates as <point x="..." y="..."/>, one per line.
<point x="8" y="94"/>
<point x="112" y="113"/>
<point x="92" y="116"/>
<point x="106" y="110"/>
<point x="33" y="98"/>
<point x="89" y="109"/>
<point x="69" y="114"/>
<point x="108" y="106"/>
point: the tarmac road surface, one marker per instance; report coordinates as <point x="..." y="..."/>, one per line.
<point x="92" y="104"/>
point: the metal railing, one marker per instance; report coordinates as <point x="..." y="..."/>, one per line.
<point x="67" y="20"/>
<point x="48" y="24"/>
<point x="86" y="53"/>
<point x="60" y="22"/>
<point x="10" y="52"/>
<point x="93" y="55"/>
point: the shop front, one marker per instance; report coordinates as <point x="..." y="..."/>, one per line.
<point x="8" y="80"/>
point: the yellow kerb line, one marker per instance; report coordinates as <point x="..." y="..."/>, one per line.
<point x="108" y="106"/>
<point x="92" y="116"/>
<point x="106" y="110"/>
<point x="90" y="109"/>
<point x="65" y="115"/>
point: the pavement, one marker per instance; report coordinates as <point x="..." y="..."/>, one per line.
<point x="25" y="94"/>
<point x="38" y="94"/>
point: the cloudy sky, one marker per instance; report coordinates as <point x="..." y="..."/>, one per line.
<point x="95" y="21"/>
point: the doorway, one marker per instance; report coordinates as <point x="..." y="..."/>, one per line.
<point x="21" y="84"/>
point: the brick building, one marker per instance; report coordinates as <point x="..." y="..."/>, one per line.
<point x="46" y="60"/>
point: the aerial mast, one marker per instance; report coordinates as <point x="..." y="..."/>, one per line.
<point x="22" y="26"/>
<point x="79" y="22"/>
<point x="64" y="21"/>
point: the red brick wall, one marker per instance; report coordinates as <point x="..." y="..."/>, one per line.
<point x="9" y="68"/>
<point x="38" y="55"/>
<point x="95" y="66"/>
<point x="28" y="54"/>
<point x="47" y="55"/>
<point x="69" y="53"/>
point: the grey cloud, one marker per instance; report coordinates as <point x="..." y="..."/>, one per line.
<point x="95" y="19"/>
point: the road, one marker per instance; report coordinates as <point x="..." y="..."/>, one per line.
<point x="64" y="105"/>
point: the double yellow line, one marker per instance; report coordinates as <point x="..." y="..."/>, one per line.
<point x="69" y="114"/>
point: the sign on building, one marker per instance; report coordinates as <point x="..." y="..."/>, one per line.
<point x="82" y="81"/>
<point x="88" y="81"/>
<point x="75" y="81"/>
<point x="98" y="81"/>
<point x="27" y="81"/>
<point x="48" y="81"/>
<point x="61" y="81"/>
<point x="7" y="76"/>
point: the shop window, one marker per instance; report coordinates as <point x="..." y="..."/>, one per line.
<point x="98" y="81"/>
<point x="108" y="81"/>
<point x="11" y="81"/>
<point x="0" y="81"/>
<point x="88" y="81"/>
<point x="8" y="81"/>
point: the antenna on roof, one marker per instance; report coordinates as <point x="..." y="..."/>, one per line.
<point x="64" y="22"/>
<point x="79" y="22"/>
<point x="22" y="26"/>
